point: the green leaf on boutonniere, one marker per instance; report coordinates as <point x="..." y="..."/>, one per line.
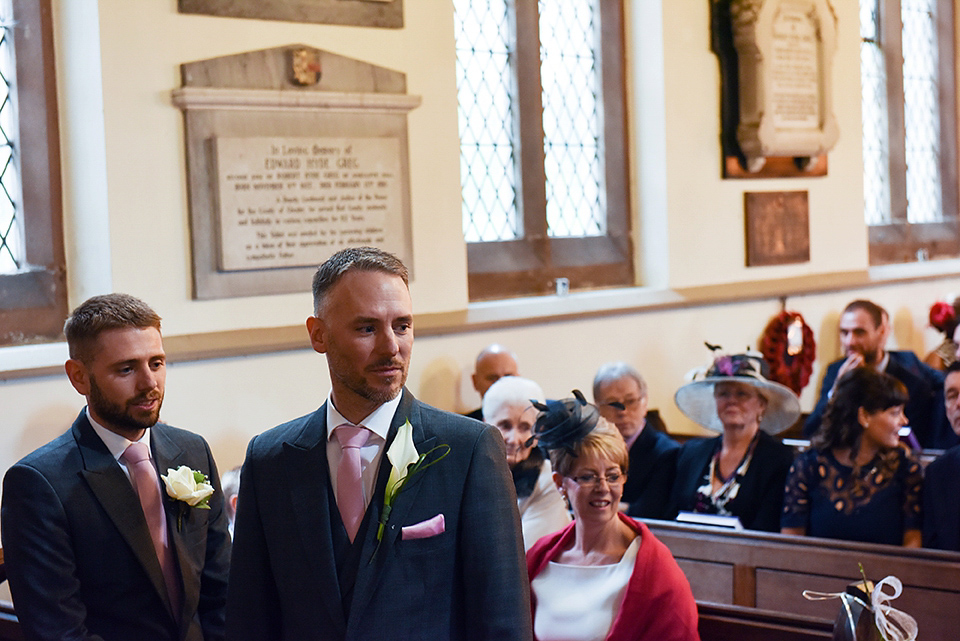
<point x="405" y="463"/>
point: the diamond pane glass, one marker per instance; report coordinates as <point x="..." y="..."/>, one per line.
<point x="488" y="172"/>
<point x="921" y="110"/>
<point x="571" y="118"/>
<point x="876" y="148"/>
<point x="11" y="241"/>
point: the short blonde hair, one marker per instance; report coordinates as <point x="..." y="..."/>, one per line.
<point x="603" y="441"/>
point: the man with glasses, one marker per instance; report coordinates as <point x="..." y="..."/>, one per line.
<point x="621" y="395"/>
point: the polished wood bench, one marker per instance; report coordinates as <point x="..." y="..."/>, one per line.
<point x="738" y="623"/>
<point x="769" y="572"/>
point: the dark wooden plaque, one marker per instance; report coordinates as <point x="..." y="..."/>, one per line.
<point x="778" y="228"/>
<point x="361" y="13"/>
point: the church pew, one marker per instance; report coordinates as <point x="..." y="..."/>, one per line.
<point x="738" y="623"/>
<point x="770" y="571"/>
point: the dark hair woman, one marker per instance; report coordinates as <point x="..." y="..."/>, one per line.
<point x="857" y="482"/>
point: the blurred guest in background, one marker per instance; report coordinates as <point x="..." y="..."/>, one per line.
<point x="621" y="396"/>
<point x="493" y="362"/>
<point x="857" y="482"/>
<point x="741" y="472"/>
<point x="230" y="482"/>
<point x="508" y="406"/>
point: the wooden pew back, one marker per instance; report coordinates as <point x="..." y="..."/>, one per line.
<point x="770" y="572"/>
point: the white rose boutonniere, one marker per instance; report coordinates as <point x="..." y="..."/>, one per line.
<point x="405" y="462"/>
<point x="188" y="486"/>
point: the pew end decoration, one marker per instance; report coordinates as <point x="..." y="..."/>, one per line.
<point x="866" y="614"/>
<point x="789" y="349"/>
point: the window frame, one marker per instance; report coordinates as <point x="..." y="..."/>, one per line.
<point x="530" y="265"/>
<point x="33" y="301"/>
<point x="901" y="241"/>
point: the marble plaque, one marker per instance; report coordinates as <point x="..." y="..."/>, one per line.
<point x="795" y="71"/>
<point x="293" y="202"/>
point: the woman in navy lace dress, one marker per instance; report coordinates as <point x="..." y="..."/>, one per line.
<point x="857" y="482"/>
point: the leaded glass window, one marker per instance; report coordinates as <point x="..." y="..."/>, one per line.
<point x="11" y="239"/>
<point x="542" y="144"/>
<point x="909" y="128"/>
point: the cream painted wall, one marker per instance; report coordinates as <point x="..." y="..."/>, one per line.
<point x="690" y="220"/>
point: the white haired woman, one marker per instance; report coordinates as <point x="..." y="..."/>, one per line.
<point x="508" y="406"/>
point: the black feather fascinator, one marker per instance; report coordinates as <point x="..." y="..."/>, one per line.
<point x="563" y="424"/>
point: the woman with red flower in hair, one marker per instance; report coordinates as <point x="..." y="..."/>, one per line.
<point x="944" y="317"/>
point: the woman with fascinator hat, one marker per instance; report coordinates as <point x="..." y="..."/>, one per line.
<point x="742" y="472"/>
<point x="604" y="576"/>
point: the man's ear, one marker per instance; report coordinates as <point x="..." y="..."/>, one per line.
<point x="318" y="334"/>
<point x="78" y="375"/>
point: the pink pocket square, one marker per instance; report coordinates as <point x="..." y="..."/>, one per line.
<point x="423" y="529"/>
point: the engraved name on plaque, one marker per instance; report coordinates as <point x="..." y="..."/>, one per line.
<point x="291" y="202"/>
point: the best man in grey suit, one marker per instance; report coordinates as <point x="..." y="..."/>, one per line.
<point x="445" y="561"/>
<point x="84" y="558"/>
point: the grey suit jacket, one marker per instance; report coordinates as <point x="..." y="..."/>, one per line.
<point x="469" y="582"/>
<point x="78" y="552"/>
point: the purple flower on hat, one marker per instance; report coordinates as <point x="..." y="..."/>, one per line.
<point x="725" y="366"/>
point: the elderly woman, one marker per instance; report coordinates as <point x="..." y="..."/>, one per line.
<point x="742" y="472"/>
<point x="508" y="406"/>
<point x="857" y="482"/>
<point x="604" y="576"/>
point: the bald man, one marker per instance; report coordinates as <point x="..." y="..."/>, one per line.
<point x="493" y="363"/>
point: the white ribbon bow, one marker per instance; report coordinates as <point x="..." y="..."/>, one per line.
<point x="893" y="624"/>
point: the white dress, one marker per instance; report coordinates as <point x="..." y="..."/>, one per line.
<point x="544" y="511"/>
<point x="580" y="602"/>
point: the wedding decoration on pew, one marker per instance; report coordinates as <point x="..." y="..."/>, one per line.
<point x="789" y="349"/>
<point x="866" y="614"/>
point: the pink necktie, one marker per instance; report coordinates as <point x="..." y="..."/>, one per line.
<point x="147" y="485"/>
<point x="349" y="480"/>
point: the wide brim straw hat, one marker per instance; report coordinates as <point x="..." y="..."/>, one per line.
<point x="695" y="399"/>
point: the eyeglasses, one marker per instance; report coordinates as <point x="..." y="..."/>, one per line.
<point x="625" y="404"/>
<point x="593" y="480"/>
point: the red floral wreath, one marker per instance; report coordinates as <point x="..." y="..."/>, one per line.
<point x="785" y="368"/>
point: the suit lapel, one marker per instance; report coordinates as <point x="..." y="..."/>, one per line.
<point x="115" y="494"/>
<point x="308" y="467"/>
<point x="168" y="454"/>
<point x="371" y="567"/>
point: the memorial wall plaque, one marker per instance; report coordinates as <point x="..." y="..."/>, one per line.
<point x="782" y="51"/>
<point x="291" y="202"/>
<point x="282" y="174"/>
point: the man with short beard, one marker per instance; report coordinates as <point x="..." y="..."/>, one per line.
<point x="323" y="548"/>
<point x="94" y="547"/>
<point x="864" y="328"/>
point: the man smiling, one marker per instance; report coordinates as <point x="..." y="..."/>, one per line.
<point x="94" y="548"/>
<point x="319" y="550"/>
<point x="864" y="328"/>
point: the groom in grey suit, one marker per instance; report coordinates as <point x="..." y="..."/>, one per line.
<point x="82" y="559"/>
<point x="436" y="556"/>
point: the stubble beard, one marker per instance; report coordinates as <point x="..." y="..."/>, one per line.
<point x="120" y="416"/>
<point x="357" y="384"/>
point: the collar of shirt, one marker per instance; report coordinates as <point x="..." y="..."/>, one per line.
<point x="377" y="421"/>
<point x="117" y="444"/>
<point x="633" y="439"/>
<point x="882" y="365"/>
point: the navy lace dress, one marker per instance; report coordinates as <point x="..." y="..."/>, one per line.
<point x="874" y="505"/>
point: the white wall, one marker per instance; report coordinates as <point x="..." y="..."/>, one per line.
<point x="692" y="220"/>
